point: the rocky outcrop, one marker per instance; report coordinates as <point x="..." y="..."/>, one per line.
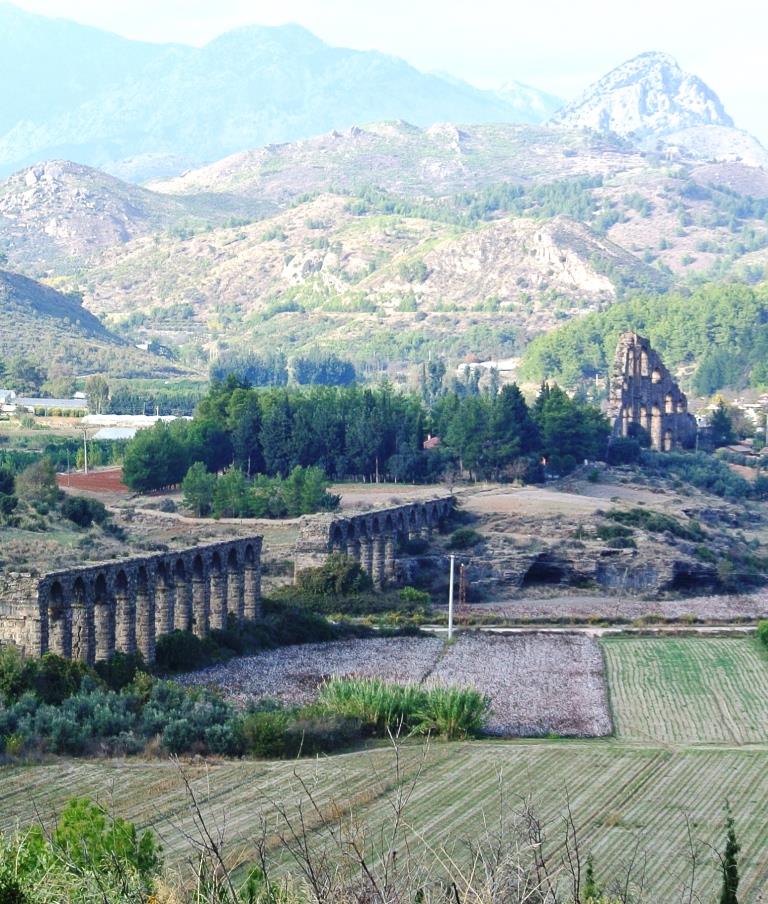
<point x="502" y="565"/>
<point x="648" y="96"/>
<point x="644" y="399"/>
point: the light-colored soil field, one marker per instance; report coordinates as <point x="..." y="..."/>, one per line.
<point x="530" y="501"/>
<point x="554" y="604"/>
<point x="538" y="684"/>
<point x="383" y="495"/>
<point x="294" y="674"/>
<point x="688" y="690"/>
<point x="626" y="801"/>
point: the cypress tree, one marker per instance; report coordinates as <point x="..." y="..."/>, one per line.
<point x="729" y="864"/>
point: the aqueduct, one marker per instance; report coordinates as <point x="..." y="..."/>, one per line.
<point x="90" y="612"/>
<point x="369" y="538"/>
<point x="645" y="398"/>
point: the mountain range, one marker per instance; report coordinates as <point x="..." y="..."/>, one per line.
<point x="386" y="241"/>
<point x="139" y="110"/>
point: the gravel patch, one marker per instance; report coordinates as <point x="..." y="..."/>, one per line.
<point x="538" y="684"/>
<point x="292" y="675"/>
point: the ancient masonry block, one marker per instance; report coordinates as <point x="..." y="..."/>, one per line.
<point x="88" y="613"/>
<point x="644" y="399"/>
<point x="370" y="538"/>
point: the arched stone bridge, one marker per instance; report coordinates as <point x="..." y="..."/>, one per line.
<point x="88" y="613"/>
<point x="370" y="537"/>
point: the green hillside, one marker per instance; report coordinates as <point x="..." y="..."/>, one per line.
<point x="719" y="334"/>
<point x="55" y="332"/>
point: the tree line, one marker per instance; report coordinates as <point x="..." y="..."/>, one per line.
<point x="317" y="368"/>
<point x="370" y="434"/>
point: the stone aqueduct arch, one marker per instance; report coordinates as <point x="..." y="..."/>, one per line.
<point x="89" y="613"/>
<point x="369" y="538"/>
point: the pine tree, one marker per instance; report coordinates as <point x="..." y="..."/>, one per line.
<point x="729" y="864"/>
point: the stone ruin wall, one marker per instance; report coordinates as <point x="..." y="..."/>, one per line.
<point x="644" y="395"/>
<point x="369" y="538"/>
<point x="89" y="613"/>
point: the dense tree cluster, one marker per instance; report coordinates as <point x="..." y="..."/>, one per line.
<point x="723" y="328"/>
<point x="313" y="369"/>
<point x="370" y="433"/>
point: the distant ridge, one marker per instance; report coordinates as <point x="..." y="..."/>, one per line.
<point x="649" y="95"/>
<point x="145" y="110"/>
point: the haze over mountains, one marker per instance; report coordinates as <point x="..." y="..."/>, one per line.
<point x="139" y="110"/>
<point x="464" y="231"/>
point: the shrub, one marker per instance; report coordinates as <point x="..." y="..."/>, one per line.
<point x="762" y="632"/>
<point x="656" y="522"/>
<point x="263" y="733"/>
<point x="37" y="482"/>
<point x="120" y="671"/>
<point x="464" y="538"/>
<point x="181" y="651"/>
<point x="83" y="512"/>
<point x="415" y="597"/>
<point x="453" y="713"/>
<point x="54" y="678"/>
<point x="310" y="733"/>
<point x="340" y="575"/>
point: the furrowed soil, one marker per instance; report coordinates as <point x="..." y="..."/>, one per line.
<point x="627" y="802"/>
<point x="688" y="690"/>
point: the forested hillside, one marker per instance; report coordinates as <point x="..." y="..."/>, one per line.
<point x="719" y="333"/>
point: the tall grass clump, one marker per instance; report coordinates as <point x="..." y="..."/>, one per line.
<point x="453" y="713"/>
<point x="380" y="706"/>
<point x="385" y="708"/>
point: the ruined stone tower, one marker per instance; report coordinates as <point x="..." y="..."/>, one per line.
<point x="644" y="397"/>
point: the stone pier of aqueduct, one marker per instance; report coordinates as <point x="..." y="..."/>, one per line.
<point x="88" y="613"/>
<point x="370" y="538"/>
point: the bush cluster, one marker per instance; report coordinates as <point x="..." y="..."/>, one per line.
<point x="658" y="523"/>
<point x="464" y="538"/>
<point x="703" y="471"/>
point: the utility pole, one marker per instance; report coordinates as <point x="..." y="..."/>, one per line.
<point x="450" y="600"/>
<point x="85" y="449"/>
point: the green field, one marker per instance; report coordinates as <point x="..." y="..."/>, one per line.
<point x="690" y="717"/>
<point x="621" y="796"/>
<point x="688" y="690"/>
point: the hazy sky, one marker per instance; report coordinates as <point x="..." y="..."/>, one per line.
<point x="557" y="45"/>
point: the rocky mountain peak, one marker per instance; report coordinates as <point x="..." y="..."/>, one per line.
<point x="648" y="96"/>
